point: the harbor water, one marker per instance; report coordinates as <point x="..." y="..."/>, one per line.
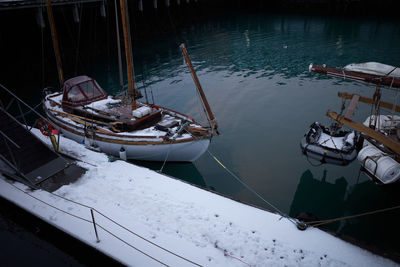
<point x="254" y="71"/>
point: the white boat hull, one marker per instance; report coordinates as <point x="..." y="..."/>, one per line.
<point x="184" y="152"/>
<point x="149" y="150"/>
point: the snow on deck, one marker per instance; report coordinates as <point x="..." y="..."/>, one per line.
<point x="205" y="228"/>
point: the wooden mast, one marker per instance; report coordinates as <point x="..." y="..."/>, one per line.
<point x="388" y="142"/>
<point x="121" y="78"/>
<point x="55" y="43"/>
<point x="213" y="121"/>
<point x="128" y="51"/>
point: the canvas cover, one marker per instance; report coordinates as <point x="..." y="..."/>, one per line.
<point x="375" y="68"/>
<point x="81" y="90"/>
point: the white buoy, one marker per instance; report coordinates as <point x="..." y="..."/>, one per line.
<point x="122" y="153"/>
<point x="86" y="142"/>
<point x="75" y="14"/>
<point x="140" y="5"/>
<point x="102" y="10"/>
<point x="40" y="19"/>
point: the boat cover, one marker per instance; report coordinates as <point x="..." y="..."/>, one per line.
<point x="81" y="90"/>
<point x="374" y="68"/>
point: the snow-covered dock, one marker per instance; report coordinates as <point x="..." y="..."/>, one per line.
<point x="144" y="218"/>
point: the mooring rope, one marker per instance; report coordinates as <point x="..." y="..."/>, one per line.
<point x="166" y="157"/>
<point x="321" y="222"/>
<point x="252" y="190"/>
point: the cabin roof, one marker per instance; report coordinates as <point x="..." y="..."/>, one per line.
<point x="81" y="90"/>
<point x="76" y="80"/>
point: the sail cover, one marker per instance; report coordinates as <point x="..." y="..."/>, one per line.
<point x="81" y="90"/>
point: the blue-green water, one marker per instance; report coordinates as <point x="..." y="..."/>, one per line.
<point x="254" y="71"/>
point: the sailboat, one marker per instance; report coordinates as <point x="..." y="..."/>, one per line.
<point x="370" y="72"/>
<point x="380" y="152"/>
<point x="123" y="126"/>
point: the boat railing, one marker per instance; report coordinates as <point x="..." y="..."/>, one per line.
<point x="23" y="109"/>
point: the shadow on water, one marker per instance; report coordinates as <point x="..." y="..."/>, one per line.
<point x="377" y="231"/>
<point x="319" y="197"/>
<point x="325" y="200"/>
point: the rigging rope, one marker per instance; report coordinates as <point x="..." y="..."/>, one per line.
<point x="252" y="190"/>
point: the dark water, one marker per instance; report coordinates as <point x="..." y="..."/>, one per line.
<point x="254" y="70"/>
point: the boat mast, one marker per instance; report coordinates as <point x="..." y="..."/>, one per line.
<point x="128" y="51"/>
<point x="212" y="119"/>
<point x="121" y="78"/>
<point x="55" y="42"/>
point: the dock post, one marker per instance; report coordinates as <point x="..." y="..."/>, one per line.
<point x="94" y="225"/>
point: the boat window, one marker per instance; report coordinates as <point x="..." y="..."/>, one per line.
<point x="75" y="95"/>
<point x="91" y="89"/>
<point x="82" y="90"/>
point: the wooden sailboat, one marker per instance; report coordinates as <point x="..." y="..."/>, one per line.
<point x="380" y="154"/>
<point x="370" y="72"/>
<point x="124" y="127"/>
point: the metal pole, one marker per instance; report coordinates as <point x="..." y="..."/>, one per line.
<point x="94" y="225"/>
<point x="55" y="43"/>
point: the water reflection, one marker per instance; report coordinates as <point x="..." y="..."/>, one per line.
<point x="184" y="171"/>
<point x="273" y="44"/>
<point x="319" y="197"/>
<point x="327" y="200"/>
<point x="377" y="231"/>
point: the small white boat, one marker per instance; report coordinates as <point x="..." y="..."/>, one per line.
<point x="327" y="146"/>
